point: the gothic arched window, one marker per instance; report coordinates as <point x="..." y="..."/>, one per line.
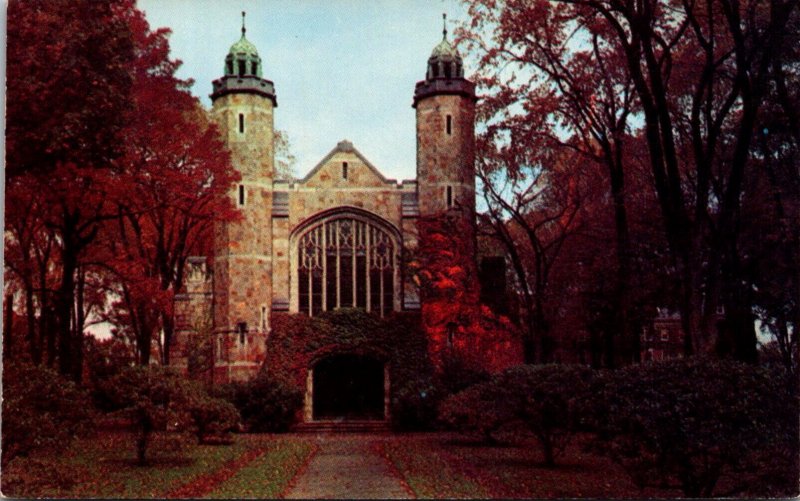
<point x="346" y="262"/>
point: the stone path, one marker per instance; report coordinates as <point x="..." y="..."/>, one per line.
<point x="348" y="467"/>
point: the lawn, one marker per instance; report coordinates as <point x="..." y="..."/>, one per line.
<point x="450" y="466"/>
<point x="104" y="467"/>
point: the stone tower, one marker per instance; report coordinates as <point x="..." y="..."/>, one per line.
<point x="243" y="105"/>
<point x="445" y="107"/>
<point x="445" y="104"/>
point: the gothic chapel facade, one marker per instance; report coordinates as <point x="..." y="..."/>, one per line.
<point x="333" y="239"/>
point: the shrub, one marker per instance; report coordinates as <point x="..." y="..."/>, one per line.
<point x="479" y="409"/>
<point x="41" y="410"/>
<point x="153" y="398"/>
<point x="267" y="403"/>
<point x="212" y="418"/>
<point x="540" y="398"/>
<point x="685" y="422"/>
<point x="104" y="359"/>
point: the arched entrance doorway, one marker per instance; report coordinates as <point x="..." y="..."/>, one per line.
<point x="348" y="387"/>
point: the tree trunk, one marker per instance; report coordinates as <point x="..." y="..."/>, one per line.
<point x="77" y="333"/>
<point x="547" y="450"/>
<point x="141" y="447"/>
<point x="169" y="329"/>
<point x="7" y="326"/>
<point x="64" y="305"/>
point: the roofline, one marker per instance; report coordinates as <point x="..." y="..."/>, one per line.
<point x="345" y="146"/>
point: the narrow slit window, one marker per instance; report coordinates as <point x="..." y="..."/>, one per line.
<point x="449" y="125"/>
<point x="255" y="68"/>
<point x="242" y="328"/>
<point x="241" y="194"/>
<point x="449" y="196"/>
<point x="229" y="66"/>
<point x="263" y="318"/>
<point x="242" y="68"/>
<point x="344" y="170"/>
<point x="241" y="123"/>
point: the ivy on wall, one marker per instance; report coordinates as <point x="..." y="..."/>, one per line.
<point x="297" y="342"/>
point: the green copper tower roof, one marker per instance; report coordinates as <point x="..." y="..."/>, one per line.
<point x="444" y="50"/>
<point x="445" y="73"/>
<point x="243" y="58"/>
<point x="243" y="72"/>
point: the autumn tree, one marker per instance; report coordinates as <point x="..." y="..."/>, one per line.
<point x="178" y="174"/>
<point x="531" y="211"/>
<point x="693" y="75"/>
<point x="115" y="173"/>
<point x="552" y="91"/>
<point x="67" y="92"/>
<point x="700" y="70"/>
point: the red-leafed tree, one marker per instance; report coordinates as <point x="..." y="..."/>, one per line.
<point x="68" y="83"/>
<point x="114" y="173"/>
<point x="691" y="75"/>
<point x="178" y="176"/>
<point x="551" y="93"/>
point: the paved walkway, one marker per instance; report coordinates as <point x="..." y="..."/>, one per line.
<point x="348" y="467"/>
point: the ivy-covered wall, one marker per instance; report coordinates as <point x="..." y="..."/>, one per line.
<point x="297" y="342"/>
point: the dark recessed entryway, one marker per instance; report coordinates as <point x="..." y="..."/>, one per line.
<point x="348" y="387"/>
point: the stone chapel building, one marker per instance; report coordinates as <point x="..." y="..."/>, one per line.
<point x="333" y="239"/>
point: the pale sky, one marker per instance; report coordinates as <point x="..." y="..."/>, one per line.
<point x="343" y="69"/>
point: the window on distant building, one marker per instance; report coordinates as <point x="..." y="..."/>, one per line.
<point x="449" y="125"/>
<point x="449" y="196"/>
<point x="344" y="170"/>
<point x="242" y="68"/>
<point x="664" y="335"/>
<point x="346" y="263"/>
<point x="241" y="195"/>
<point x="241" y="123"/>
<point x="255" y="68"/>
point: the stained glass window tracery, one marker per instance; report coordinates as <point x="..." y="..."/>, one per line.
<point x="346" y="263"/>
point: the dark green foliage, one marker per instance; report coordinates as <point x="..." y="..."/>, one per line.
<point x="157" y="399"/>
<point x="40" y="410"/>
<point x="151" y="397"/>
<point x="687" y="422"/>
<point x="212" y="418"/>
<point x="104" y="359"/>
<point x="267" y="403"/>
<point x="541" y="398"/>
<point x="297" y="342"/>
<point x="479" y="409"/>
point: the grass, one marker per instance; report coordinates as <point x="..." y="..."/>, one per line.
<point x="428" y="474"/>
<point x="104" y="467"/>
<point x="447" y="466"/>
<point x="268" y="475"/>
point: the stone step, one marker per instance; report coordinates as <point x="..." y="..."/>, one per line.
<point x="349" y="426"/>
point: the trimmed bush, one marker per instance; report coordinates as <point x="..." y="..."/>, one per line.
<point x="41" y="410"/>
<point x="158" y="399"/>
<point x="686" y="422"/>
<point x="212" y="418"/>
<point x="543" y="399"/>
<point x="267" y="403"/>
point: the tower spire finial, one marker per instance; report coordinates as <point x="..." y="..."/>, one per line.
<point x="243" y="28"/>
<point x="444" y="26"/>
